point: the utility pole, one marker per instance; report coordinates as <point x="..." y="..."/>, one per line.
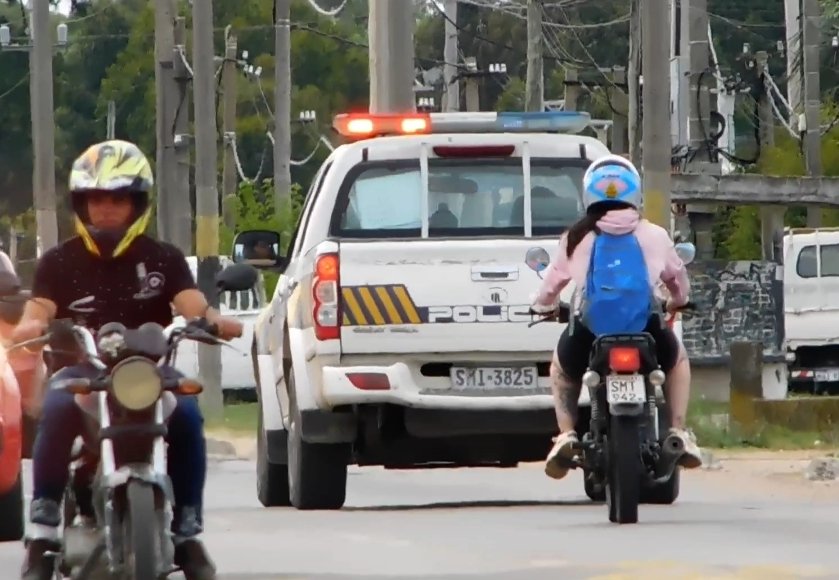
<point x="43" y="127"/>
<point x="700" y="102"/>
<point x="165" y="105"/>
<point x="620" y="105"/>
<point x="206" y="192"/>
<point x="535" y="87"/>
<point x="792" y="13"/>
<point x="771" y="217"/>
<point x="572" y="90"/>
<point x="391" y="41"/>
<point x="112" y="120"/>
<point x="471" y="76"/>
<point x="282" y="103"/>
<point x="633" y="74"/>
<point x="180" y="200"/>
<point x="655" y="24"/>
<point x="812" y="101"/>
<point x="699" y="124"/>
<point x="229" y="86"/>
<point x="13" y="245"/>
<point x="450" y="56"/>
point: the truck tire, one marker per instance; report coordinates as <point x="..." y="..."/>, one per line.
<point x="271" y="478"/>
<point x="317" y="473"/>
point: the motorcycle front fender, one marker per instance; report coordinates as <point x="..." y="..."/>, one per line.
<point x="140" y="472"/>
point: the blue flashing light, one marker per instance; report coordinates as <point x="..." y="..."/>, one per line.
<point x="558" y="121"/>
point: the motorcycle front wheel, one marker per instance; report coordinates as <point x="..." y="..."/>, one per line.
<point x="140" y="533"/>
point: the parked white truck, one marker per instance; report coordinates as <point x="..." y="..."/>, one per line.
<point x="236" y="364"/>
<point x="811" y="309"/>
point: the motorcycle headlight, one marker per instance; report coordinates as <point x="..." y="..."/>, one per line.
<point x="136" y="384"/>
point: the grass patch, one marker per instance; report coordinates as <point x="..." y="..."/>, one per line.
<point x="709" y="421"/>
<point x="240" y="418"/>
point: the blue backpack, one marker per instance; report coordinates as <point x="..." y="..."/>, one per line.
<point x="618" y="298"/>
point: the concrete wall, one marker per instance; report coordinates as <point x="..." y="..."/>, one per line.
<point x="736" y="301"/>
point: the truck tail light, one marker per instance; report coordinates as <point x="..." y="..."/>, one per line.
<point x="326" y="298"/>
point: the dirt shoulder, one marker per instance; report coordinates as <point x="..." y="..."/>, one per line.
<point x="761" y="471"/>
<point x="769" y="473"/>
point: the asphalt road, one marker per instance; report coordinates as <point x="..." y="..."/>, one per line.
<point x="516" y="524"/>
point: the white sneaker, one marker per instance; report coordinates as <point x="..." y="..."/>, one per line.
<point x="562" y="452"/>
<point x="692" y="457"/>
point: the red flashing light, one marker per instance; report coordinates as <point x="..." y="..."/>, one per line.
<point x="362" y="126"/>
<point x="624" y="359"/>
<point x="326" y="291"/>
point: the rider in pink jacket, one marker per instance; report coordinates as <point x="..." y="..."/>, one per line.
<point x="663" y="263"/>
<point x="615" y="212"/>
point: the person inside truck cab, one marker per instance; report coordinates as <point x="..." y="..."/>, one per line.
<point x="571" y="263"/>
<point x="260" y="250"/>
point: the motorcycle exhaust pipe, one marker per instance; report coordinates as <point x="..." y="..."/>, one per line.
<point x="673" y="445"/>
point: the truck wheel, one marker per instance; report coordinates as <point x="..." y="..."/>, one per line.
<point x="271" y="478"/>
<point x="11" y="513"/>
<point x="317" y="473"/>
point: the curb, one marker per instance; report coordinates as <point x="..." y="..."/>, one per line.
<point x="220" y="449"/>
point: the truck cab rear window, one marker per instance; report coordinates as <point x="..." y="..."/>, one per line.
<point x="465" y="198"/>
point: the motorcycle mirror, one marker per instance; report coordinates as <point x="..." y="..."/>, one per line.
<point x="9" y="284"/>
<point x="236" y="278"/>
<point x="686" y="251"/>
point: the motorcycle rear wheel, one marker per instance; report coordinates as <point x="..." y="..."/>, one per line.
<point x="623" y="485"/>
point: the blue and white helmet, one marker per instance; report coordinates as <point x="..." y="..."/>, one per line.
<point x="612" y="179"/>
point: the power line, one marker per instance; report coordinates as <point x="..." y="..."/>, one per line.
<point x="15" y="86"/>
<point x="512" y="49"/>
<point x="325" y="12"/>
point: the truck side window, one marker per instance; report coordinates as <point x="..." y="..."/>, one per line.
<point x="806" y="264"/>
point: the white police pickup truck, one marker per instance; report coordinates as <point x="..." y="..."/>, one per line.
<point x="398" y="332"/>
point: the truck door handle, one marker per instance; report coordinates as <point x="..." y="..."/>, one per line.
<point x="494" y="273"/>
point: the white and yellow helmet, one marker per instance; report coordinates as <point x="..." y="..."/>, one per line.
<point x="116" y="167"/>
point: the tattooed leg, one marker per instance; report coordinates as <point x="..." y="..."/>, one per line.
<point x="566" y="397"/>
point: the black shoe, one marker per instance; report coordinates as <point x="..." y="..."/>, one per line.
<point x="37" y="565"/>
<point x="192" y="558"/>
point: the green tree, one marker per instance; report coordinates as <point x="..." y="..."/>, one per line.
<point x="254" y="210"/>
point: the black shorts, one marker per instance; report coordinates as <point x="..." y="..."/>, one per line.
<point x="573" y="350"/>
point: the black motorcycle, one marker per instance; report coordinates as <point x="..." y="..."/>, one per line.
<point x="119" y="499"/>
<point x="626" y="454"/>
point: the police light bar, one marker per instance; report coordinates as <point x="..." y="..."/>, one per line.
<point x="362" y="126"/>
<point x="365" y="126"/>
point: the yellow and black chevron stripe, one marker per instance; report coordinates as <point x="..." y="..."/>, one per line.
<point x="379" y="305"/>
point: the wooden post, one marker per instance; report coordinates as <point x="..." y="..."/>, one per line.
<point x="746" y="381"/>
<point x="572" y="89"/>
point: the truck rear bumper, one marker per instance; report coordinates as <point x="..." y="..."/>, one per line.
<point x="394" y="384"/>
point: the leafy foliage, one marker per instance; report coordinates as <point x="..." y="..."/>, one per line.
<point x="111" y="57"/>
<point x="254" y="209"/>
